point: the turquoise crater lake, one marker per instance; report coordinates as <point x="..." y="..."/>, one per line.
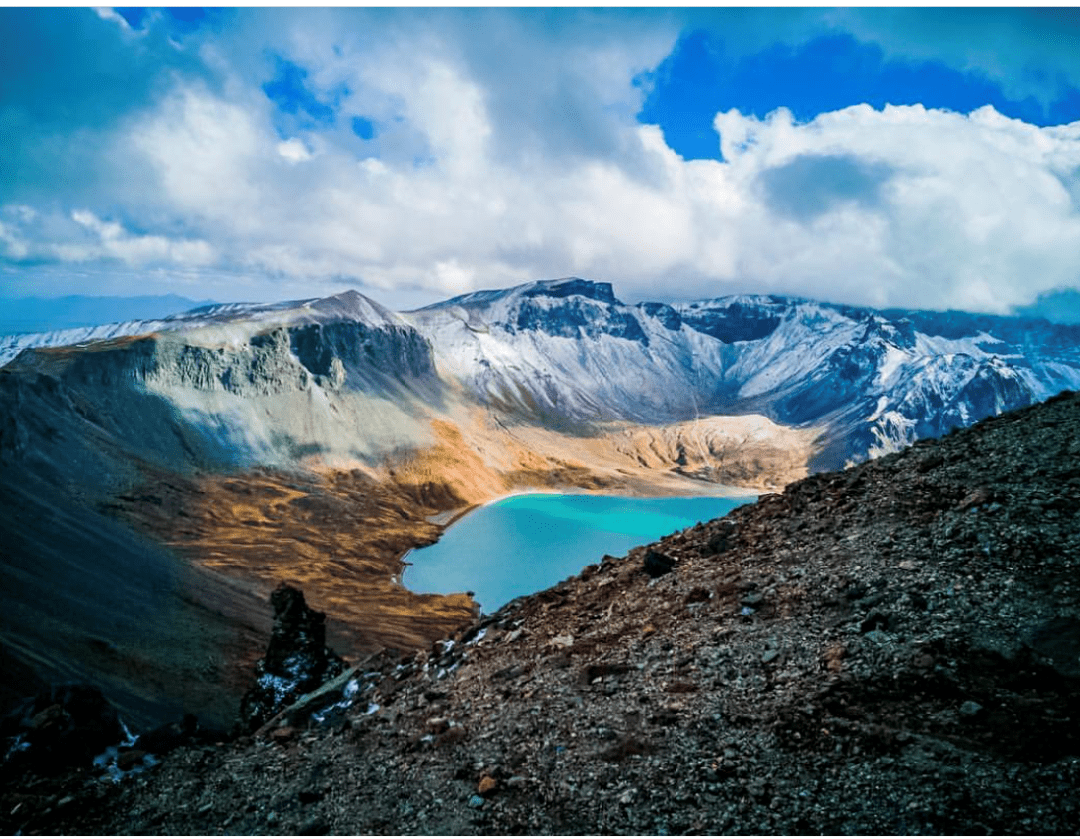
<point x="526" y="543"/>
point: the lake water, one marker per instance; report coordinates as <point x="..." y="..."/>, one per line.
<point x="527" y="543"/>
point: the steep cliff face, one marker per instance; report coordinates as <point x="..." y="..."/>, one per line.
<point x="347" y="352"/>
<point x="240" y="394"/>
<point x="576" y="309"/>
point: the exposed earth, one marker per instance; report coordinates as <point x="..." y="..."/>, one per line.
<point x="894" y="649"/>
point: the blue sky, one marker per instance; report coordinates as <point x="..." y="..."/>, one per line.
<point x="892" y="157"/>
<point x="825" y="73"/>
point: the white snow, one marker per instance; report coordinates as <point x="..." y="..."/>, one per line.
<point x="894" y="359"/>
<point x="228" y="324"/>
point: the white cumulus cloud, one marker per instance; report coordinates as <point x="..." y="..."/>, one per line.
<point x="510" y="151"/>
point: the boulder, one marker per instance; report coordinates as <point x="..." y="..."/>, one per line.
<point x="657" y="564"/>
<point x="168" y="737"/>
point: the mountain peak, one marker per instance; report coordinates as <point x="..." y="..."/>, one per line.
<point x="352" y="305"/>
<point x="552" y="289"/>
<point x="571" y="286"/>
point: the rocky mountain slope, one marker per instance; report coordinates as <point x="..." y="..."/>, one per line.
<point x="890" y="649"/>
<point x="569" y="350"/>
<point x="171" y="473"/>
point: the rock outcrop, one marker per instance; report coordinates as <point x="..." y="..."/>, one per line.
<point x="62" y="727"/>
<point x="297" y="659"/>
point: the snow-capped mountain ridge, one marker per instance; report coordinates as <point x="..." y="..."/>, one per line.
<point x="568" y="353"/>
<point x="223" y="322"/>
<point x="878" y="379"/>
<point x="569" y="350"/>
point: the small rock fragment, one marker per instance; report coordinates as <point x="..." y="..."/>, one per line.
<point x="975" y="498"/>
<point x="833" y="658"/>
<point x="283" y="734"/>
<point x="437" y="725"/>
<point x="511" y="672"/>
<point x="874" y="621"/>
<point x="315" y="827"/>
<point x="970" y="710"/>
<point x="657" y="564"/>
<point x="129" y="759"/>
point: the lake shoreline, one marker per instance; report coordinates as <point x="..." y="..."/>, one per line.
<point x="548" y="535"/>
<point x="446" y="519"/>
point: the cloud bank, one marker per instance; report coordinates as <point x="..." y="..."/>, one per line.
<point x="417" y="155"/>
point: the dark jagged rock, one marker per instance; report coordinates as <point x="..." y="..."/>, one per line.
<point x="61" y="727"/>
<point x="297" y="659"/>
<point x="663" y="313"/>
<point x="738" y="321"/>
<point x="573" y="287"/>
<point x="1057" y="641"/>
<point x="583" y="317"/>
<point x="171" y="736"/>
<point x="657" y="564"/>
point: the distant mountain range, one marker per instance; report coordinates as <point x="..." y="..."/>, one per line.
<point x="567" y="353"/>
<point x="44" y="314"/>
<point x="1061" y="305"/>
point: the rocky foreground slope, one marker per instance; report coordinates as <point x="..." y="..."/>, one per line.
<point x="890" y="649"/>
